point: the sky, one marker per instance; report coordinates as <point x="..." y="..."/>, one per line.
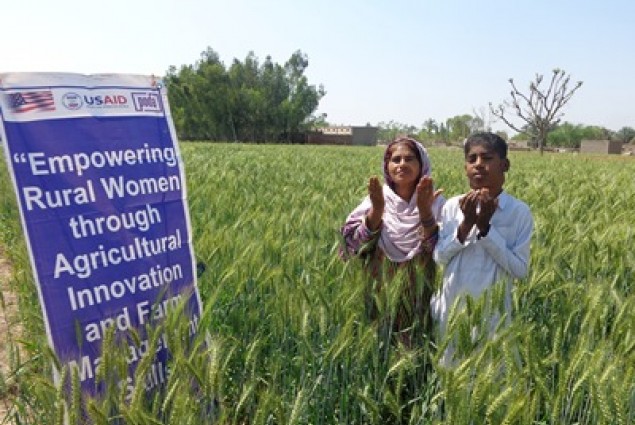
<point x="405" y="61"/>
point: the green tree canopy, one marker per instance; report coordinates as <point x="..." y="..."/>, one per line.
<point x="571" y="135"/>
<point x="625" y="135"/>
<point x="248" y="101"/>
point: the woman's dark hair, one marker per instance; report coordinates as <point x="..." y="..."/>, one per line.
<point x="491" y="140"/>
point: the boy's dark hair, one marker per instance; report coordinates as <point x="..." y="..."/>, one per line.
<point x="491" y="140"/>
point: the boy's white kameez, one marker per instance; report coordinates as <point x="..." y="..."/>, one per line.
<point x="474" y="266"/>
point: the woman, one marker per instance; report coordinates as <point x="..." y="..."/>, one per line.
<point x="395" y="229"/>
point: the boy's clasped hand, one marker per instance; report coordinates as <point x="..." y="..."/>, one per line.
<point x="478" y="207"/>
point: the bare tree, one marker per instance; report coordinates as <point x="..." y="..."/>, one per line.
<point x="540" y="107"/>
<point x="482" y="119"/>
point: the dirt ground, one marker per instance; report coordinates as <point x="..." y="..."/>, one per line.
<point x="8" y="318"/>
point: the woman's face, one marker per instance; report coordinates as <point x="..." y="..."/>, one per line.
<point x="403" y="166"/>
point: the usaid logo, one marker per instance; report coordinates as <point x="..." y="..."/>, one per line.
<point x="72" y="101"/>
<point x="107" y="101"/>
<point x="146" y="102"/>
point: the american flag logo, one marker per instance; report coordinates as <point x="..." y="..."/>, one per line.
<point x="31" y="101"/>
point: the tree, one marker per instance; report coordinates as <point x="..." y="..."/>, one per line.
<point x="571" y="136"/>
<point x="303" y="99"/>
<point x="540" y="108"/>
<point x="392" y="129"/>
<point x="429" y="131"/>
<point x="482" y="120"/>
<point x="460" y="126"/>
<point x="250" y="101"/>
<point x="625" y="134"/>
<point x="198" y="97"/>
<point x="431" y="126"/>
<point x="566" y="135"/>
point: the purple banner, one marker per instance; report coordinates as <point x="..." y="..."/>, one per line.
<point x="101" y="188"/>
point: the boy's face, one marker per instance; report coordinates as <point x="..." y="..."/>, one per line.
<point x="485" y="168"/>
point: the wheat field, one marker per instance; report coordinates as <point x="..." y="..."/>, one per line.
<point x="288" y="340"/>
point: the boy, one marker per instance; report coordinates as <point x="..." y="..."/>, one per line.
<point x="485" y="234"/>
